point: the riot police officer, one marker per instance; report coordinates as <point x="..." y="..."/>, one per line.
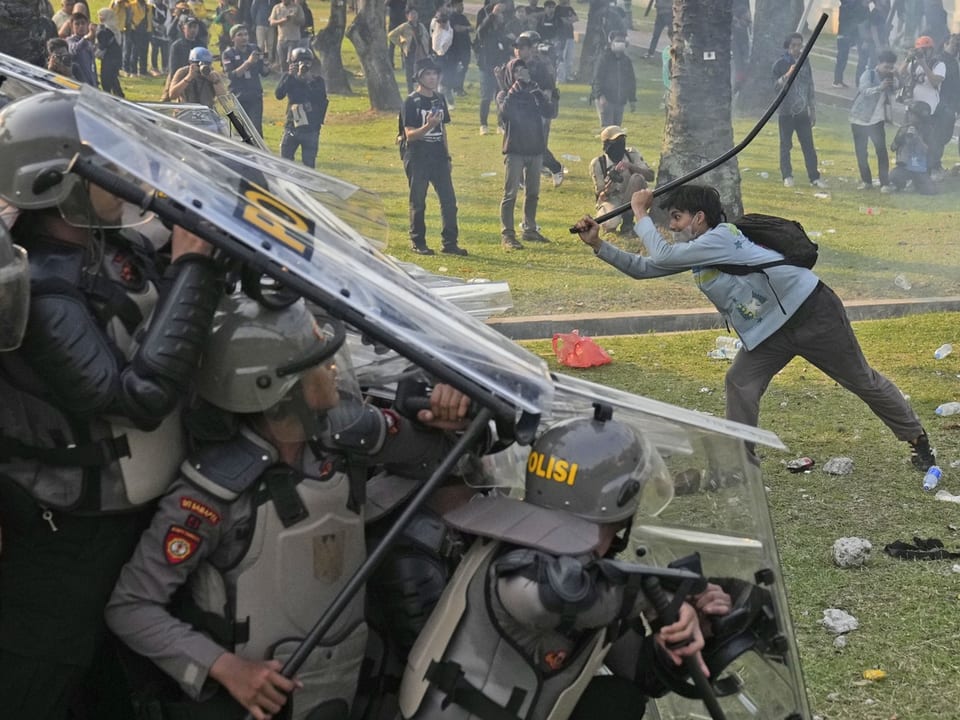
<point x="88" y="432"/>
<point x="528" y="619"/>
<point x="263" y="529"/>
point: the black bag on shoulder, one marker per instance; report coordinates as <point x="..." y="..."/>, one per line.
<point x="786" y="237"/>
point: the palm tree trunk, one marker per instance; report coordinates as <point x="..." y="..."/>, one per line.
<point x="369" y="37"/>
<point x="699" y="125"/>
<point x="23" y="30"/>
<point x="328" y="43"/>
<point x="771" y="25"/>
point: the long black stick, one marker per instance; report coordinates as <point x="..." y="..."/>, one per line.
<point x="662" y="189"/>
<point x="363" y="573"/>
<point x="667" y="616"/>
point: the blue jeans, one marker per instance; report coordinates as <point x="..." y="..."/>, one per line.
<point x="876" y="134"/>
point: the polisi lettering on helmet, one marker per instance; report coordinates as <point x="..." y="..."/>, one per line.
<point x="552" y="468"/>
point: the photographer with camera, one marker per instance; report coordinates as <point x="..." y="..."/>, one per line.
<point x="921" y="75"/>
<point x="522" y="109"/>
<point x="243" y="65"/>
<point x="307" y="103"/>
<point x="617" y="174"/>
<point x="870" y="111"/>
<point x="198" y="82"/>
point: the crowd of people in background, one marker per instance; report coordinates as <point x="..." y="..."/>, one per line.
<point x="907" y="70"/>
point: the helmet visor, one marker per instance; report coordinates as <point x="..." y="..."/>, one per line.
<point x="89" y="205"/>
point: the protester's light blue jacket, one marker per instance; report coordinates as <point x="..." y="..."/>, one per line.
<point x="749" y="303"/>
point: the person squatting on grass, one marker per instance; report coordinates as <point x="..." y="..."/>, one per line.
<point x="779" y="313"/>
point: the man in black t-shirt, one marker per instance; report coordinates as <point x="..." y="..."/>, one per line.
<point x="427" y="161"/>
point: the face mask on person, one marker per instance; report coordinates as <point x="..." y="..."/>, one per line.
<point x="615" y="149"/>
<point x="685" y="235"/>
<point x="618" y="46"/>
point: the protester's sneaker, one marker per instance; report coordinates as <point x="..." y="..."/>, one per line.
<point x="819" y="183"/>
<point x="937" y="176"/>
<point x="841" y="85"/>
<point x="788" y="182"/>
<point x="864" y="186"/>
<point x="421" y="250"/>
<point x="484" y="130"/>
<point x="887" y="189"/>
<point x="921" y="454"/>
<point x="534" y="236"/>
<point x="510" y="243"/>
<point x="558" y="179"/>
<point x="454" y="250"/>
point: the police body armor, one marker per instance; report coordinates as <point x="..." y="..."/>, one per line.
<point x="64" y="462"/>
<point x="303" y="545"/>
<point x="463" y="667"/>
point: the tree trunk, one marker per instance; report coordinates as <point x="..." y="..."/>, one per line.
<point x="369" y="37"/>
<point x="593" y="40"/>
<point x="328" y="43"/>
<point x="699" y="124"/>
<point x="23" y="31"/>
<point x="771" y="25"/>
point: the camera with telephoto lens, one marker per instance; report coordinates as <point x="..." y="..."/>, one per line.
<point x="205" y="69"/>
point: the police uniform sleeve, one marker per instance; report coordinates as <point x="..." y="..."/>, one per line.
<point x="186" y="529"/>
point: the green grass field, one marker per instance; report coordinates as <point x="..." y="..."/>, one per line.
<point x="908" y="612"/>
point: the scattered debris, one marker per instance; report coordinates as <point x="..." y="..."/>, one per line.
<point x="839" y="622"/>
<point x="947" y="497"/>
<point x="851" y="552"/>
<point x="838" y="466"/>
<point x="874" y="674"/>
<point x="840" y="642"/>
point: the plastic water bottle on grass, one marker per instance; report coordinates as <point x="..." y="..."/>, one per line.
<point x="932" y="478"/>
<point x="950" y="408"/>
<point x="941" y="352"/>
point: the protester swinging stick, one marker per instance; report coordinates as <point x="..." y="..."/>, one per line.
<point x="735" y="150"/>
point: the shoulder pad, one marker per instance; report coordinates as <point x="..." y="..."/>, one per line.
<point x="228" y="469"/>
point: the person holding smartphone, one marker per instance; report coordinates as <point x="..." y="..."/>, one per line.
<point x="243" y="65"/>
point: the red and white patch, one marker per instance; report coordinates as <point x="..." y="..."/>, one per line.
<point x="393" y="421"/>
<point x="555" y="659"/>
<point x="180" y="544"/>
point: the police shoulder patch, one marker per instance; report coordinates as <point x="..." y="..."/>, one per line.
<point x="180" y="544"/>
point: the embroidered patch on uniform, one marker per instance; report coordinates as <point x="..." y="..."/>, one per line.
<point x="180" y="544"/>
<point x="393" y="421"/>
<point x="555" y="659"/>
<point x="193" y="522"/>
<point x="204" y="511"/>
<point x="328" y="556"/>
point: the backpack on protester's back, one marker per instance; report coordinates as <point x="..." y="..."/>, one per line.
<point x="784" y="236"/>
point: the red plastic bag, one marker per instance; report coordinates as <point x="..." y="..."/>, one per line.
<point x="574" y="350"/>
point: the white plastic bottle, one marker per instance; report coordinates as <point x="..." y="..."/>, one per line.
<point x="725" y="342"/>
<point x="941" y="352"/>
<point x="932" y="478"/>
<point x="950" y="408"/>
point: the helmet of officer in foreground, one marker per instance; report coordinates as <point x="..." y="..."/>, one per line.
<point x="256" y="355"/>
<point x="38" y="141"/>
<point x="590" y="467"/>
